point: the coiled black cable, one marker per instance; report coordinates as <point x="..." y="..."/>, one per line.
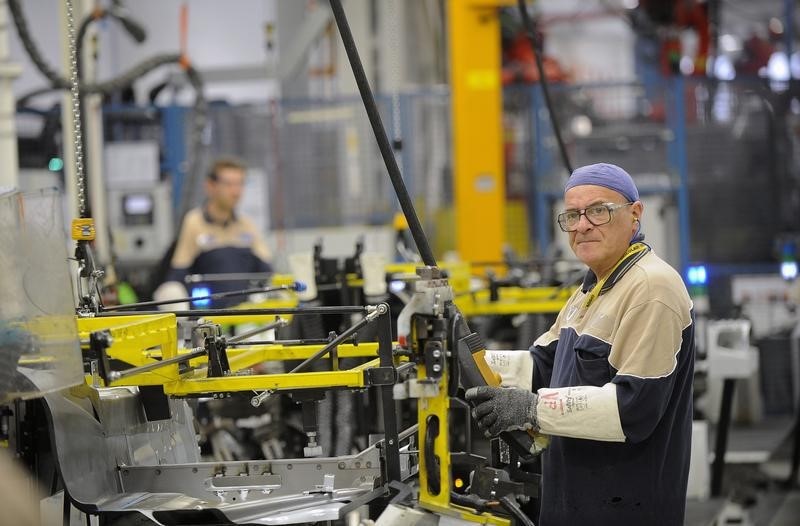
<point x="537" y="53"/>
<point x="58" y="83"/>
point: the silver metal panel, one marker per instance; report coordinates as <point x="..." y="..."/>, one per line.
<point x="121" y="462"/>
<point x="254" y="480"/>
<point x="89" y="450"/>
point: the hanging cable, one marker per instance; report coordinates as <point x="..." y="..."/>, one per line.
<point x="380" y="135"/>
<point x="538" y="51"/>
<point x="199" y="110"/>
<point x="511" y="506"/>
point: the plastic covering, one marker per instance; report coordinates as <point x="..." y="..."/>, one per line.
<point x="39" y="346"/>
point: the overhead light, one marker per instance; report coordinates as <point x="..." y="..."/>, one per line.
<point x="778" y="67"/>
<point x="686" y="65"/>
<point x="729" y="43"/>
<point x="723" y="68"/>
<point x="775" y="25"/>
<point x="581" y="126"/>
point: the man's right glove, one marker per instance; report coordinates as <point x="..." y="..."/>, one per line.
<point x="501" y="409"/>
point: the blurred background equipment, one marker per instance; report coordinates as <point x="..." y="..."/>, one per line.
<point x="698" y="100"/>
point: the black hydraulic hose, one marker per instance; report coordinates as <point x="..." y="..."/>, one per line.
<point x="200" y="109"/>
<point x="537" y="53"/>
<point x="469" y="501"/>
<point x="62" y="83"/>
<point x="199" y="119"/>
<point x="133" y="28"/>
<point x="127" y="78"/>
<point x="108" y="86"/>
<point x="508" y="502"/>
<point x="31" y="47"/>
<point x="380" y="135"/>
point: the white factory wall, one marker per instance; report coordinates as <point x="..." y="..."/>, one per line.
<point x="221" y="34"/>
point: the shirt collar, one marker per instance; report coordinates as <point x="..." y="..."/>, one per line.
<point x="211" y="220"/>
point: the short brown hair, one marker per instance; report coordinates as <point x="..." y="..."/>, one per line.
<point x="221" y="163"/>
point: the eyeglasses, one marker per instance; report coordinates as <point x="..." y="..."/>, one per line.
<point x="228" y="183"/>
<point x="597" y="215"/>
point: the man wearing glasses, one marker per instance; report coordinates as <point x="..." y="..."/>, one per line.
<point x="611" y="381"/>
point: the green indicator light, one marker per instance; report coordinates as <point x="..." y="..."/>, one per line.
<point x="55" y="164"/>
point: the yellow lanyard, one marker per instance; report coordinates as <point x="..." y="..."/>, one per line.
<point x="632" y="250"/>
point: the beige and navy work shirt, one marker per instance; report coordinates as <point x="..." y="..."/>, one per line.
<point x="636" y="342"/>
<point x="209" y="247"/>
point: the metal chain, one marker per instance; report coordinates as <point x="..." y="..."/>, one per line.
<point x="76" y="109"/>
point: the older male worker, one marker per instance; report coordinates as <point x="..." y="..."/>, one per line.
<point x="611" y="381"/>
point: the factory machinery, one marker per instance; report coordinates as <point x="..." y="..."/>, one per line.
<point x="118" y="391"/>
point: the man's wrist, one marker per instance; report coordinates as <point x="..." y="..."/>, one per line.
<point x="532" y="412"/>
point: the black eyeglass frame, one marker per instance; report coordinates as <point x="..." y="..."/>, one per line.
<point x="610" y="207"/>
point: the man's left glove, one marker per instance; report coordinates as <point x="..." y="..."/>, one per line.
<point x="501" y="409"/>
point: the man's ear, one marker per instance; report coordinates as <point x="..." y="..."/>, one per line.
<point x="636" y="209"/>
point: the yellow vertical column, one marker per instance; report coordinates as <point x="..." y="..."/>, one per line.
<point x="476" y="105"/>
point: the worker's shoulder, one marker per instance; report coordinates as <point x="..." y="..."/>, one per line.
<point x="657" y="280"/>
<point x="245" y="223"/>
<point x="194" y="218"/>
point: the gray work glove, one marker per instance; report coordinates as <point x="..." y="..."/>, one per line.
<point x="501" y="409"/>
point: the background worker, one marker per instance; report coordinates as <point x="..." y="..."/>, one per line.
<point x="215" y="239"/>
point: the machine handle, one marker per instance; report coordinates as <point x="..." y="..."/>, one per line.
<point x="476" y="372"/>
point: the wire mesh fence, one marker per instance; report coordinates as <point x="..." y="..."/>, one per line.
<point x="703" y="145"/>
<point x="319" y="160"/>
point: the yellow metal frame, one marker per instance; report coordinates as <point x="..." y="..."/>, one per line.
<point x="138" y="340"/>
<point x="459" y="273"/>
<point x="476" y="100"/>
<point x="240" y="358"/>
<point x="350" y="378"/>
<point x="143" y="340"/>
<point x="514" y="300"/>
<point x="439" y="406"/>
<point x="510" y="301"/>
<point x="466" y="514"/>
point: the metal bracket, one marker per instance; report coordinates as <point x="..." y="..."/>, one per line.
<point x="99" y="341"/>
<point x="217" y="357"/>
<point x="492" y="483"/>
<point x="434" y="359"/>
<point x="380" y="376"/>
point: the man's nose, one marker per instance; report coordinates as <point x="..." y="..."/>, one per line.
<point x="584" y="224"/>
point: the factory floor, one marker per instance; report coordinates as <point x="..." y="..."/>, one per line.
<point x="754" y="493"/>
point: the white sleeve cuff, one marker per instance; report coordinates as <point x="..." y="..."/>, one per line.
<point x="514" y="367"/>
<point x="580" y="412"/>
